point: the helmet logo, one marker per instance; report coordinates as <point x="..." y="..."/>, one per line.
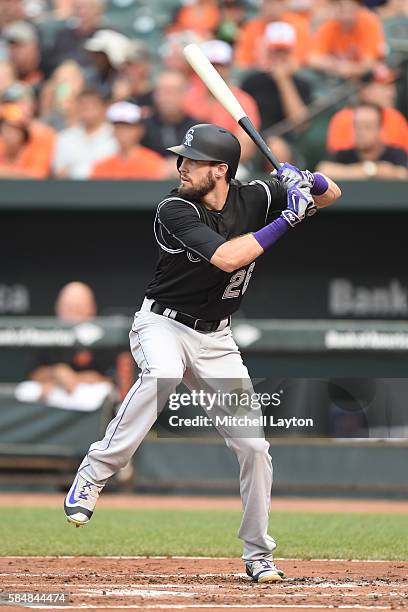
<point x="189" y="137"/>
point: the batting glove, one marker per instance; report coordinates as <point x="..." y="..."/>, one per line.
<point x="300" y="204"/>
<point x="290" y="176"/>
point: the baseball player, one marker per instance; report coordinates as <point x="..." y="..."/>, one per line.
<point x="209" y="231"/>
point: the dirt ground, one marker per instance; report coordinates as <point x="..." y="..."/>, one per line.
<point x="180" y="502"/>
<point x="131" y="583"/>
<point x="187" y="584"/>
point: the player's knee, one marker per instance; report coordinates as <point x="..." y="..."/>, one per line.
<point x="252" y="446"/>
<point x="168" y="374"/>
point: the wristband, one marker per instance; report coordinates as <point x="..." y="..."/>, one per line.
<point x="268" y="235"/>
<point x="320" y="184"/>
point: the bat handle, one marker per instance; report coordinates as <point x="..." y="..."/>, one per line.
<point x="253" y="133"/>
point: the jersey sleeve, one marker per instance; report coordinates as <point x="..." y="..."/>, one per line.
<point x="274" y="196"/>
<point x="180" y="227"/>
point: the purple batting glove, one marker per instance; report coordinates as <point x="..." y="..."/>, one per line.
<point x="300" y="204"/>
<point x="290" y="176"/>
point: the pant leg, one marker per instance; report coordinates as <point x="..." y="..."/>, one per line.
<point x="220" y="359"/>
<point x="159" y="354"/>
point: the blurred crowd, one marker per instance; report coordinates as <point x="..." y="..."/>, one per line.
<point x="97" y="89"/>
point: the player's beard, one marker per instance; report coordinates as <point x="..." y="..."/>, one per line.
<point x="198" y="191"/>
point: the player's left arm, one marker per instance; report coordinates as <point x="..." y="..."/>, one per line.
<point x="330" y="195"/>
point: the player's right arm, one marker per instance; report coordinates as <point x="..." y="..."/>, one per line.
<point x="290" y="204"/>
<point x="180" y="228"/>
<point x="237" y="253"/>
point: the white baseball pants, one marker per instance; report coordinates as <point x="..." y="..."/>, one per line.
<point x="171" y="352"/>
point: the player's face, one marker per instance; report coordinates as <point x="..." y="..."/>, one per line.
<point x="196" y="178"/>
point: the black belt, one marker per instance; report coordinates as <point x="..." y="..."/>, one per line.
<point x="200" y="325"/>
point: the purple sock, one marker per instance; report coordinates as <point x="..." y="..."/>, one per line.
<point x="320" y="184"/>
<point x="268" y="235"/>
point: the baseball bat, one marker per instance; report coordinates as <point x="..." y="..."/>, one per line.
<point x="220" y="90"/>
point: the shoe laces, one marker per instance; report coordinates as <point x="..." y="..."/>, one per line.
<point x="83" y="494"/>
<point x="262" y="564"/>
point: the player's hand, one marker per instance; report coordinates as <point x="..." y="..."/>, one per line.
<point x="300" y="205"/>
<point x="290" y="176"/>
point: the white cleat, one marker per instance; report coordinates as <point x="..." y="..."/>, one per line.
<point x="263" y="570"/>
<point x="80" y="501"/>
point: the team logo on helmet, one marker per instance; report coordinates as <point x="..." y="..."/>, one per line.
<point x="188" y="139"/>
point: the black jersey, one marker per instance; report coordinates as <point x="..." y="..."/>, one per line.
<point x="188" y="234"/>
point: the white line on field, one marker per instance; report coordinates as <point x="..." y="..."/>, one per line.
<point x="184" y="558"/>
<point x="112" y="574"/>
<point x="212" y="606"/>
<point x="159" y="593"/>
<point x="286" y="583"/>
<point x="131" y="592"/>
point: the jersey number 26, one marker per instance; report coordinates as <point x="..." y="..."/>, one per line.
<point x="240" y="277"/>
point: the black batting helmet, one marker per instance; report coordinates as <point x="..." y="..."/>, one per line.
<point x="208" y="142"/>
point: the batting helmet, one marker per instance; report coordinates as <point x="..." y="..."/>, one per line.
<point x="208" y="142"/>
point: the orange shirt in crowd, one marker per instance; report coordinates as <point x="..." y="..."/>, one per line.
<point x="201" y="17"/>
<point x="200" y="104"/>
<point x="143" y="163"/>
<point x="247" y="46"/>
<point x="364" y="41"/>
<point x="340" y="134"/>
<point x="35" y="158"/>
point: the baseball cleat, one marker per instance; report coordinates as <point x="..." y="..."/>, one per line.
<point x="263" y="571"/>
<point x="80" y="501"/>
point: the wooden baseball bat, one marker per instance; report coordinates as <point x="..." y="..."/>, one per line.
<point x="220" y="90"/>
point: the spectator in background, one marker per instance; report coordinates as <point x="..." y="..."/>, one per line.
<point x="202" y="105"/>
<point x="232" y="19"/>
<point x="59" y="95"/>
<point x="7" y="76"/>
<point x="133" y="161"/>
<point x="349" y="44"/>
<point x="24" y="52"/>
<point x="42" y="137"/>
<point x="69" y="41"/>
<point x="303" y="8"/>
<point x="376" y="87"/>
<point x="11" y="10"/>
<point x="279" y="91"/>
<point x="79" y="147"/>
<point x="168" y="123"/>
<point x="108" y="51"/>
<point x="21" y="156"/>
<point x="393" y="9"/>
<point x="136" y="71"/>
<point x="394" y="18"/>
<point x="370" y="157"/>
<point x="248" y="48"/>
<point x="61" y="10"/>
<point x="78" y="379"/>
<point x="172" y="52"/>
<point x="282" y="150"/>
<point x="313" y="12"/>
<point x="200" y="16"/>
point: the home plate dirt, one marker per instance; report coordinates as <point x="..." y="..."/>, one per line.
<point x="110" y="583"/>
